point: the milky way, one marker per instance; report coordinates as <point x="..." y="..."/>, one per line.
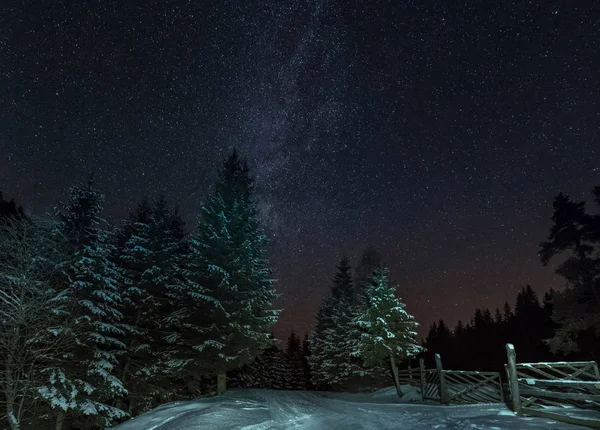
<point x="437" y="133"/>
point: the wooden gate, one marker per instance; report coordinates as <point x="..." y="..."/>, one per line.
<point x="460" y="386"/>
<point x="547" y="389"/>
<point x="473" y="387"/>
<point x="430" y="385"/>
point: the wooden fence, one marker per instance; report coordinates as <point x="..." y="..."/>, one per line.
<point x="410" y="376"/>
<point x="454" y="386"/>
<point x="546" y="389"/>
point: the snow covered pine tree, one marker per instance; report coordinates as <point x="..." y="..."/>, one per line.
<point x="387" y="330"/>
<point x="331" y="360"/>
<point x="227" y="279"/>
<point x="83" y="385"/>
<point x="150" y="253"/>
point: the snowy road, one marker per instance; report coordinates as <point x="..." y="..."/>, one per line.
<point x="267" y="409"/>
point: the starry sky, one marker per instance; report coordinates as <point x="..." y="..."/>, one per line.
<point x="437" y="132"/>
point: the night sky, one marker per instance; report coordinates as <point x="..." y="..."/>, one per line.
<point x="437" y="132"/>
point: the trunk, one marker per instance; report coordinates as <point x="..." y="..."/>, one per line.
<point x="9" y="395"/>
<point x="120" y="402"/>
<point x="395" y="373"/>
<point x="130" y="409"/>
<point x="221" y="383"/>
<point x="138" y="318"/>
<point x="13" y="423"/>
<point x="60" y="419"/>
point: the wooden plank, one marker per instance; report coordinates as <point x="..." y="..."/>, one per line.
<point x="558" y="363"/>
<point x="576" y="369"/>
<point x="582" y="397"/>
<point x="459" y="379"/>
<point x="472" y="378"/>
<point x="490" y="384"/>
<point x="422" y="377"/>
<point x="442" y="382"/>
<point x="588" y="371"/>
<point x="539" y="402"/>
<point x="470" y="372"/>
<point x="587" y="385"/>
<point x="586" y="422"/>
<point x="471" y="397"/>
<point x="475" y="396"/>
<point x="512" y="378"/>
<point x="481" y="387"/>
<point x="538" y="372"/>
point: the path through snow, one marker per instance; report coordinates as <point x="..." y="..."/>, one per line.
<point x="268" y="409"/>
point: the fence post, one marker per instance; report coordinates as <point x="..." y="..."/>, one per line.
<point x="409" y="370"/>
<point x="422" y="373"/>
<point x="442" y="386"/>
<point x="513" y="380"/>
<point x="596" y="370"/>
<point x="221" y="383"/>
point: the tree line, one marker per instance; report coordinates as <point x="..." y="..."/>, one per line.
<point x="480" y="343"/>
<point x="564" y="325"/>
<point x="102" y="322"/>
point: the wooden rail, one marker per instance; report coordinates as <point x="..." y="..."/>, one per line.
<point x="536" y="386"/>
<point x="459" y="386"/>
<point x="410" y="376"/>
<point x="473" y="387"/>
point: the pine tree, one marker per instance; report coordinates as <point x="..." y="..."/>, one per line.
<point x="293" y="353"/>
<point x="85" y="384"/>
<point x="576" y="307"/>
<point x="229" y="275"/>
<point x="333" y="339"/>
<point x="370" y="260"/>
<point x="305" y="361"/>
<point x="439" y="340"/>
<point x="9" y="210"/>
<point x="529" y="331"/>
<point x="388" y="331"/>
<point x="150" y="255"/>
<point x="80" y="216"/>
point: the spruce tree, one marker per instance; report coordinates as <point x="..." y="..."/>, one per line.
<point x="150" y="256"/>
<point x="229" y="274"/>
<point x="293" y="353"/>
<point x="576" y="233"/>
<point x="334" y="338"/>
<point x="85" y="382"/>
<point x="387" y="330"/>
<point x="9" y="210"/>
<point x="305" y="361"/>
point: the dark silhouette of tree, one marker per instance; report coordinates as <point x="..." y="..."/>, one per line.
<point x="295" y="360"/>
<point x="9" y="209"/>
<point x="575" y="234"/>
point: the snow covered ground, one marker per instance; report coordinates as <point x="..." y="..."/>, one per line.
<point x="255" y="409"/>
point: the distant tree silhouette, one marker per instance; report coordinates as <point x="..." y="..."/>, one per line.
<point x="9" y="209"/>
<point x="479" y="344"/>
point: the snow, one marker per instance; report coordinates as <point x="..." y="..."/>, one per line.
<point x="256" y="409"/>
